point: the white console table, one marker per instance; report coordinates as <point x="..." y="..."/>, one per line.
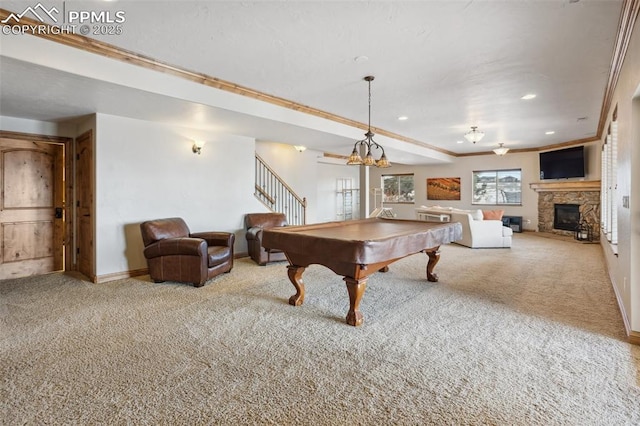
<point x="433" y="217"/>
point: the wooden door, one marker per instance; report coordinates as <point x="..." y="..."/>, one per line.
<point x="84" y="205"/>
<point x="31" y="207"/>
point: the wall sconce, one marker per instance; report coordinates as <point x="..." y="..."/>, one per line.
<point x="300" y="148"/>
<point x="197" y="147"/>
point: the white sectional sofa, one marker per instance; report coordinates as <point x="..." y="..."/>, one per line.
<point x="477" y="232"/>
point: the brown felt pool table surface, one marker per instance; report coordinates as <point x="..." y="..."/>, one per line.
<point x="356" y="249"/>
<point x="362" y="241"/>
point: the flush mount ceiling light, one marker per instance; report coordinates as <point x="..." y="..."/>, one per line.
<point x="368" y="142"/>
<point x="474" y="135"/>
<point x="501" y="150"/>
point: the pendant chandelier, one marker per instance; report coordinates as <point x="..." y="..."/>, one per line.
<point x="369" y="143"/>
<point x="474" y="135"/>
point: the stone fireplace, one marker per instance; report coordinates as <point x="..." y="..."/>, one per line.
<point x="562" y="198"/>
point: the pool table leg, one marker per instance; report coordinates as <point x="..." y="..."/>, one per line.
<point x="295" y="276"/>
<point x="356" y="290"/>
<point x="434" y="257"/>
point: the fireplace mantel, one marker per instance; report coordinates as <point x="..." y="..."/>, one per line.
<point x="577" y="185"/>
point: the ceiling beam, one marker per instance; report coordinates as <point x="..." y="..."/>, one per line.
<point x="628" y="16"/>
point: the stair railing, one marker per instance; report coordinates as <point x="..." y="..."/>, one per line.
<point x="276" y="195"/>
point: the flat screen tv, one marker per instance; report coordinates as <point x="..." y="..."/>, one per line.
<point x="562" y="163"/>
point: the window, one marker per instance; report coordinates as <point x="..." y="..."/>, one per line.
<point x="497" y="187"/>
<point x="398" y="188"/>
<point x="608" y="193"/>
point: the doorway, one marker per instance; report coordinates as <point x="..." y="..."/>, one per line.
<point x="33" y="226"/>
<point x="84" y="205"/>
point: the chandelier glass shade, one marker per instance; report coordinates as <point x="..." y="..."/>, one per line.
<point x="368" y="143"/>
<point x="501" y="150"/>
<point x="474" y="135"/>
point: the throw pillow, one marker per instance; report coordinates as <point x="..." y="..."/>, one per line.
<point x="492" y="214"/>
<point x="477" y="215"/>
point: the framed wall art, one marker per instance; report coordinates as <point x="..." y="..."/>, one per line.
<point x="443" y="188"/>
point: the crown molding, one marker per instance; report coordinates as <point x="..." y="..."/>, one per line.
<point x="110" y="51"/>
<point x="628" y="16"/>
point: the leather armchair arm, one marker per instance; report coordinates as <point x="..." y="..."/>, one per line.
<point x="254" y="233"/>
<point x="176" y="246"/>
<point x="224" y="239"/>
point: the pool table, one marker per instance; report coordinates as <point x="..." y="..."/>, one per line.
<point x="356" y="249"/>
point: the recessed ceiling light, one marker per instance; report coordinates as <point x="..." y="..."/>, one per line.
<point x="550" y="132"/>
<point x="361" y="58"/>
<point x="403" y="118"/>
<point x="460" y="142"/>
<point x="528" y="96"/>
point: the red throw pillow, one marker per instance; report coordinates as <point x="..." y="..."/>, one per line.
<point x="492" y="214"/>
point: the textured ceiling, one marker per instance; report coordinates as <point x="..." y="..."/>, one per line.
<point x="446" y="65"/>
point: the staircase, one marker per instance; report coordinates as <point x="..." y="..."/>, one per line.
<point x="277" y="196"/>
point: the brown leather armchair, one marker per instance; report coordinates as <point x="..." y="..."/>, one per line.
<point x="173" y="253"/>
<point x="255" y="223"/>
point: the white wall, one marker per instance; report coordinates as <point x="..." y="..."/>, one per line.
<point x="631" y="287"/>
<point x="327" y="186"/>
<point x="623" y="262"/>
<point x="12" y="124"/>
<point x="147" y="170"/>
<point x="463" y="167"/>
<point x="310" y="175"/>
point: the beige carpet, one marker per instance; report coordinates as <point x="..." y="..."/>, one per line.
<point x="523" y="336"/>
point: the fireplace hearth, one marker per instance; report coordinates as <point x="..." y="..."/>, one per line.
<point x="583" y="194"/>
<point x="566" y="216"/>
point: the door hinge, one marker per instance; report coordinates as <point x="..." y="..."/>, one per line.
<point x="78" y="250"/>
